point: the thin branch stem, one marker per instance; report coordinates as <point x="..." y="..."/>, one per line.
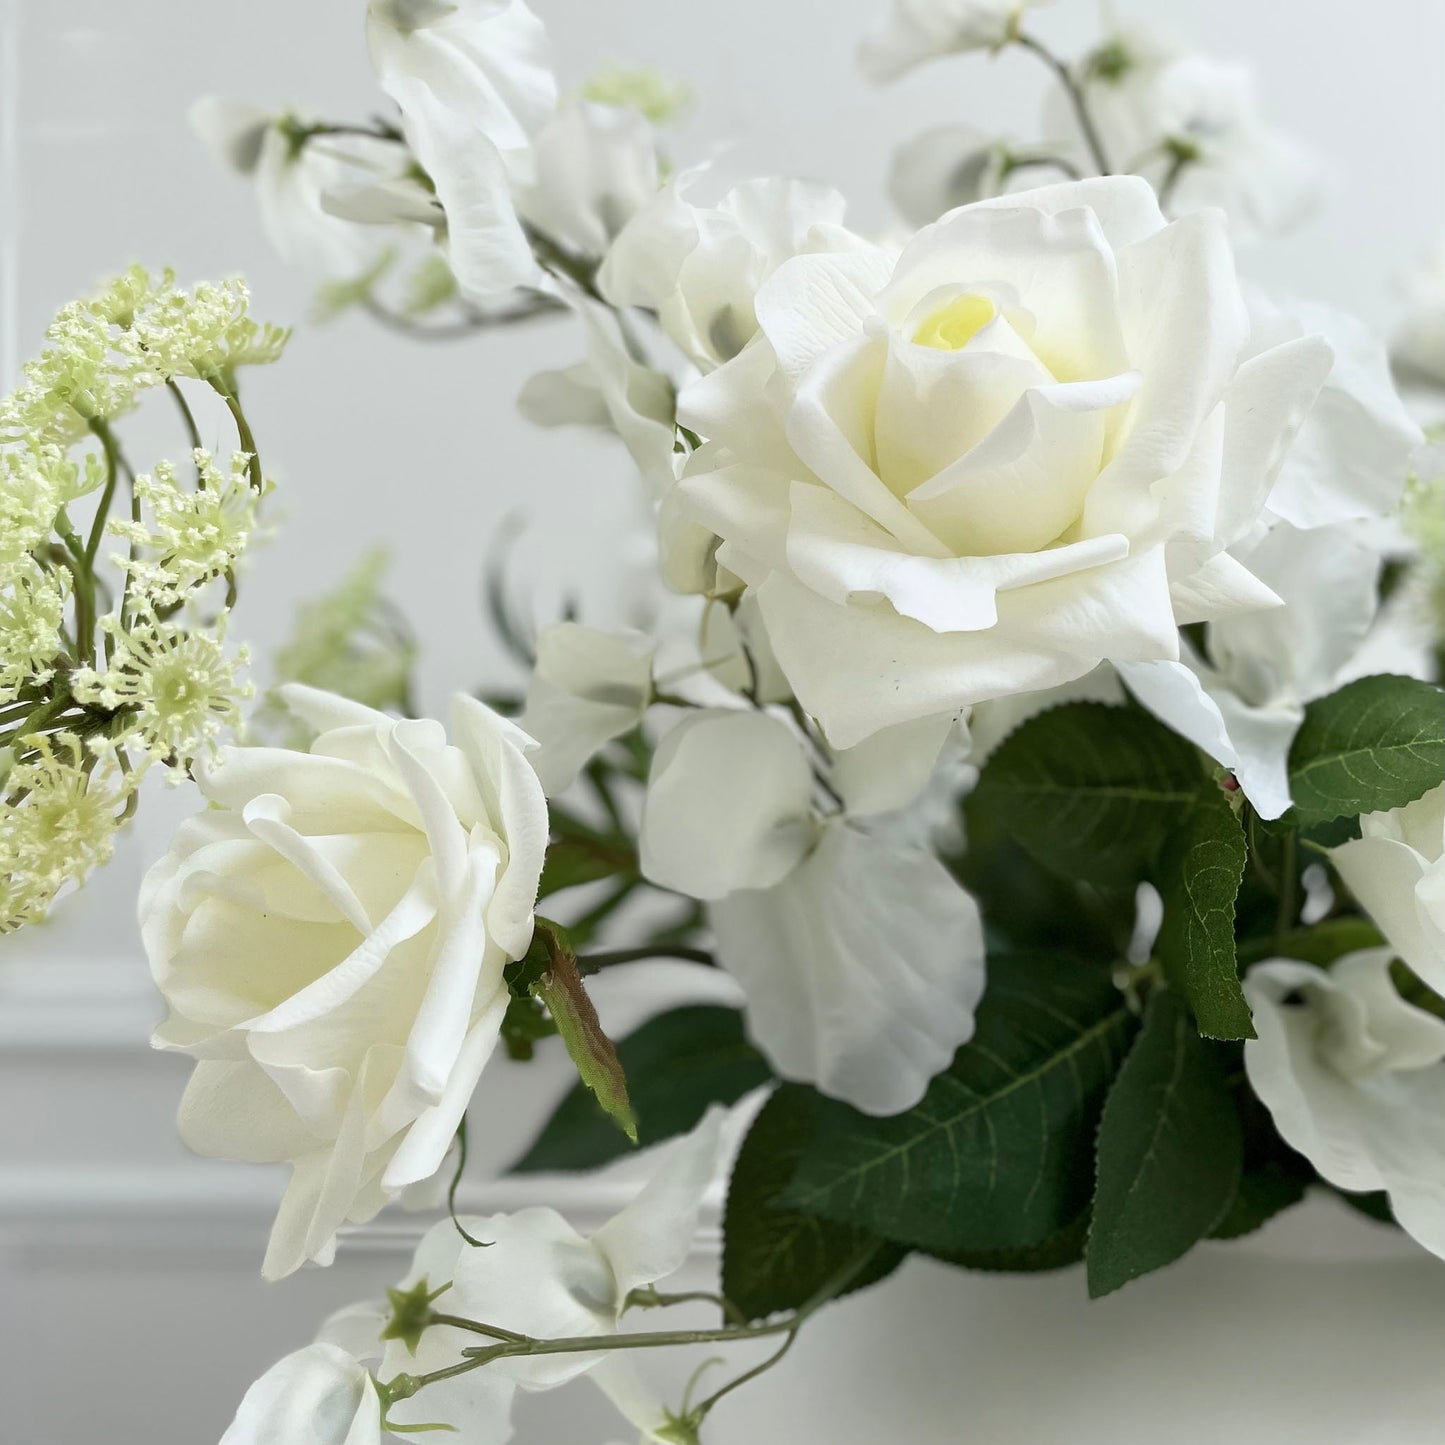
<point x="188" y="417"/>
<point x="1075" y="91"/>
<point x="589" y="963"/>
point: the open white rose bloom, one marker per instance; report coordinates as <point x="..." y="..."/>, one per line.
<point x="1017" y="724"/>
<point x="386" y="874"/>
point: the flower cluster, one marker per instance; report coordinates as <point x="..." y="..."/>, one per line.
<point x="112" y="659"/>
<point x="1018" y="735"/>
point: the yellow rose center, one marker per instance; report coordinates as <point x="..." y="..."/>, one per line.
<point x="956" y="324"/>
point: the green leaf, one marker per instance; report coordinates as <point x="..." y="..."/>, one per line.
<point x="1262" y="1194"/>
<point x="1199" y="877"/>
<point x="1091" y="791"/>
<point x="997" y="1154"/>
<point x="1375" y="744"/>
<point x="676" y="1065"/>
<point x="1170" y="1153"/>
<point x="1058" y="1251"/>
<point x="1321" y="943"/>
<point x="777" y="1259"/>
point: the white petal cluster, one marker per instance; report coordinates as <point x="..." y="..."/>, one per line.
<point x="330" y="937"/>
<point x="914" y="31"/>
<point x="1355" y="1080"/>
<point x="1396" y="869"/>
<point x="588" y="688"/>
<point x="1158" y="107"/>
<point x="978" y="468"/>
<point x="861" y="956"/>
<point x="536" y="1276"/>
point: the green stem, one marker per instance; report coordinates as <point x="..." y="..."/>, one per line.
<point x="188" y="417"/>
<point x="244" y="434"/>
<point x="102" y="511"/>
<point x="1075" y="92"/>
<point x="589" y="963"/>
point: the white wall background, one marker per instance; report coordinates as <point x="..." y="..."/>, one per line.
<point x="124" y="1259"/>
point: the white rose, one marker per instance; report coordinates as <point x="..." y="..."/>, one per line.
<point x="860" y="955"/>
<point x="1396" y="869"/>
<point x="330" y="937"/>
<point x="1354" y="1078"/>
<point x="474" y="84"/>
<point x="980" y="468"/>
<point x="918" y="30"/>
<point x="699" y="267"/>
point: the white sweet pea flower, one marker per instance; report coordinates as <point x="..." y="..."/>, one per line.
<point x="473" y="82"/>
<point x="1023" y="446"/>
<point x="699" y="267"/>
<point x="325" y="1394"/>
<point x="1156" y="107"/>
<point x="914" y="31"/>
<point x="294" y="181"/>
<point x="330" y="937"/>
<point x="320" y="1395"/>
<point x="540" y="1277"/>
<point x="943" y="168"/>
<point x="1244" y="702"/>
<point x="613" y="390"/>
<point x="595" y="166"/>
<point x="860" y="955"/>
<point x="1396" y="868"/>
<point x="587" y="688"/>
<point x="1355" y="1080"/>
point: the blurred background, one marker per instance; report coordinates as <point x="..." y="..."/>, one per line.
<point x="131" y="1307"/>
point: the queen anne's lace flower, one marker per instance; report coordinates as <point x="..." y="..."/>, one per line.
<point x="58" y="822"/>
<point x="182" y="685"/>
<point x="190" y="535"/>
<point x="32" y="610"/>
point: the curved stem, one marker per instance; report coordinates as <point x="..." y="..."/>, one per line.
<point x="1077" y="100"/>
<point x="188" y="417"/>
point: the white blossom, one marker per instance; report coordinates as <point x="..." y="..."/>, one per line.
<point x="330" y="937"/>
<point x="1396" y="869"/>
<point x="914" y="31"/>
<point x="1023" y="446"/>
<point x="860" y="955"/>
<point x="1244" y="700"/>
<point x="1354" y="1078"/>
<point x="474" y="84"/>
<point x="587" y="688"/>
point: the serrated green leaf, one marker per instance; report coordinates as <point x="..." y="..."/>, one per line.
<point x="1058" y="1251"/>
<point x="1375" y="744"/>
<point x="1170" y="1151"/>
<point x="676" y="1065"/>
<point x="1199" y="875"/>
<point x="1091" y="791"/>
<point x="997" y="1154"/>
<point x="777" y="1259"/>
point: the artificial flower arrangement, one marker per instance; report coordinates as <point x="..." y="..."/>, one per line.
<point x="1011" y="731"/>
